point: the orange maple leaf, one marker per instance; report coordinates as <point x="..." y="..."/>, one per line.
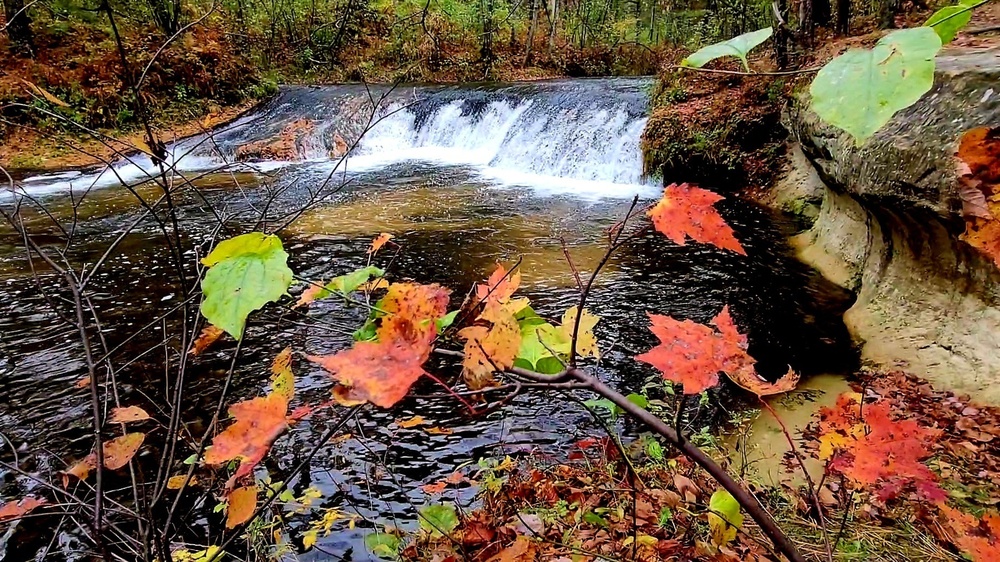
<point x="379" y="372"/>
<point x="693" y="354"/>
<point x="17" y="509"/>
<point x="117" y="453"/>
<point x="878" y="452"/>
<point x="128" y="415"/>
<point x="259" y="422"/>
<point x="980" y="539"/>
<point x="382" y="372"/>
<point x="490" y="349"/>
<point x="412" y="309"/>
<point x="209" y="335"/>
<point x="686" y="211"/>
<point x="242" y="504"/>
<point x="379" y="241"/>
<point x="499" y="288"/>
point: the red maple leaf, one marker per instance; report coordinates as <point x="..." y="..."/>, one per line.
<point x="693" y="354"/>
<point x="686" y="211"/>
<point x="878" y="452"/>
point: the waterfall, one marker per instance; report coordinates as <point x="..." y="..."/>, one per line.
<point x="576" y="135"/>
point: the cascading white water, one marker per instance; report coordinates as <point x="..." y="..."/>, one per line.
<point x="571" y="137"/>
<point x="516" y="140"/>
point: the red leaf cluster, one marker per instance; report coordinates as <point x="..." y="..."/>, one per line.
<point x="17" y="509"/>
<point x="686" y="211"/>
<point x="877" y="452"/>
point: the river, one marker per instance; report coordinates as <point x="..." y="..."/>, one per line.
<point x="462" y="177"/>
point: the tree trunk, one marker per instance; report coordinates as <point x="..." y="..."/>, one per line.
<point x="889" y="10"/>
<point x="18" y="27"/>
<point x="843" y="17"/>
<point x="553" y="19"/>
<point x="530" y="43"/>
<point x="821" y="12"/>
<point x="780" y="15"/>
<point x="166" y="15"/>
<point x="807" y="23"/>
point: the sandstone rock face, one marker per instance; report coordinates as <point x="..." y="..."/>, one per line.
<point x="289" y="145"/>
<point x="886" y="218"/>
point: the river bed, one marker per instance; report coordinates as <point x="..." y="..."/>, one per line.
<point x="463" y="178"/>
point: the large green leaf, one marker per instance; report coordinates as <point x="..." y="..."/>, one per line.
<point x="862" y="89"/>
<point x="725" y="517"/>
<point x="738" y="47"/>
<point x="245" y="273"/>
<point x="949" y="20"/>
<point x="438" y="519"/>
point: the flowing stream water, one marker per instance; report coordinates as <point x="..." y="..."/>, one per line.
<point x="463" y="177"/>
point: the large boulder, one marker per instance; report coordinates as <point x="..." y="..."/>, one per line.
<point x="887" y="220"/>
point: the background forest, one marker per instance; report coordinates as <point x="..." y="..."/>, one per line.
<point x="226" y="52"/>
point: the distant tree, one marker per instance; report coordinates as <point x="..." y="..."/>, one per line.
<point x="166" y="15"/>
<point x="843" y="17"/>
<point x="18" y="26"/>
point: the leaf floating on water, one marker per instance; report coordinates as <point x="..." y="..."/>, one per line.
<point x="282" y="379"/>
<point x="128" y="415"/>
<point x="242" y="504"/>
<point x="686" y="211"/>
<point x="209" y="335"/>
<point x="411" y="422"/>
<point x="17" y="509"/>
<point x="440" y="430"/>
<point x="438" y="519"/>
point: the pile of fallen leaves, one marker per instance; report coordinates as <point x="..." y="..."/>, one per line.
<point x="596" y="507"/>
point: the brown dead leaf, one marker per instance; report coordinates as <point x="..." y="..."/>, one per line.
<point x="523" y="550"/>
<point x="687" y="488"/>
<point x="128" y="414"/>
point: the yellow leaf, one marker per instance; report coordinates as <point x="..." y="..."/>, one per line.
<point x="439" y="431"/>
<point x="309" y="538"/>
<point x="282" y="380"/>
<point x="242" y="504"/>
<point x="176" y="482"/>
<point x="411" y="422"/>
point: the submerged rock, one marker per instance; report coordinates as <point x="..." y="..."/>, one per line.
<point x="290" y="144"/>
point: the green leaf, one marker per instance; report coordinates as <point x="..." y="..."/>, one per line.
<point x="348" y="283"/>
<point x="639" y="400"/>
<point x="595" y="519"/>
<point x="532" y="351"/>
<point x="446" y="321"/>
<point x="438" y="519"/>
<point x="366" y="332"/>
<point x="862" y="89"/>
<point x="948" y="21"/>
<point x="245" y="273"/>
<point x="604" y="404"/>
<point x="383" y="545"/>
<point x="738" y="47"/>
<point x="191" y="460"/>
<point x="724" y="510"/>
